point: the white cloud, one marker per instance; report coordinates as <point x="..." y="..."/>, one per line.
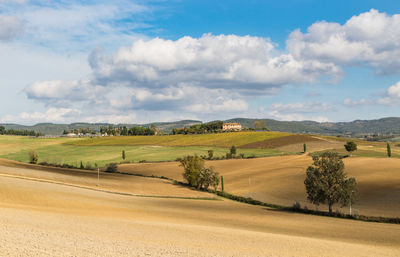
<point x="10" y="27"/>
<point x="371" y="38"/>
<point x="301" y="107"/>
<point x="299" y="111"/>
<point x="223" y="61"/>
<point x="75" y="26"/>
<point x="13" y="1"/>
<point x="200" y="77"/>
<point x="361" y="102"/>
<point x="392" y="96"/>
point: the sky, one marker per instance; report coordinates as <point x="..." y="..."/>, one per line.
<point x="126" y="61"/>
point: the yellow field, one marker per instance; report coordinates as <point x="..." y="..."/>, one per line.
<point x="217" y="140"/>
<point x="279" y="180"/>
<point x="42" y="218"/>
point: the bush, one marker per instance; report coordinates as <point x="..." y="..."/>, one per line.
<point x="210" y="154"/>
<point x="33" y="157"/>
<point x="233" y="150"/>
<point x="112" y="167"/>
<point x="296" y="206"/>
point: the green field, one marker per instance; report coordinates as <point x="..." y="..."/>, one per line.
<point x="216" y="140"/>
<point x="62" y="150"/>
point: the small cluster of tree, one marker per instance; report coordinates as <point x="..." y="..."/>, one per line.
<point x="260" y="125"/>
<point x="229" y="155"/>
<point x="197" y="175"/>
<point x="210" y="127"/>
<point x="326" y="181"/>
<point x="124" y="131"/>
<point x="378" y="137"/>
<point x="15" y="132"/>
<point x="83" y="131"/>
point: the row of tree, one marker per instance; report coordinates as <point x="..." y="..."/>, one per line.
<point x="124" y="131"/>
<point x="210" y="127"/>
<point x="84" y="131"/>
<point x="15" y="132"/>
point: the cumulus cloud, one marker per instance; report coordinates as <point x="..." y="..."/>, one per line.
<point x="299" y="111"/>
<point x="10" y="27"/>
<point x="223" y="61"/>
<point x="211" y="74"/>
<point x="392" y="96"/>
<point x="371" y="38"/>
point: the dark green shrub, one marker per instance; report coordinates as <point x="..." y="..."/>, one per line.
<point x="112" y="167"/>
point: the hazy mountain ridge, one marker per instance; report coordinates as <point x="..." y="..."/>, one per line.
<point x="389" y="125"/>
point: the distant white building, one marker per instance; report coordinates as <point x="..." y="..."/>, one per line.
<point x="231" y="126"/>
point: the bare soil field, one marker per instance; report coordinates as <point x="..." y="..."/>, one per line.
<point x="41" y="218"/>
<point x="279" y="180"/>
<point x="107" y="181"/>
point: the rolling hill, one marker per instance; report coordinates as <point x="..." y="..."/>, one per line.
<point x="386" y="126"/>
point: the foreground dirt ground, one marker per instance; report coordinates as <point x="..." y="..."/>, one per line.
<point x="280" y="180"/>
<point x="39" y="217"/>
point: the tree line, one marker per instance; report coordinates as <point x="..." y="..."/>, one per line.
<point x="210" y="127"/>
<point x="124" y="131"/>
<point x="15" y="132"/>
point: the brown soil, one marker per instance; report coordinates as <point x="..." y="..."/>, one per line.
<point x="280" y="180"/>
<point x="282" y="141"/>
<point x="46" y="219"/>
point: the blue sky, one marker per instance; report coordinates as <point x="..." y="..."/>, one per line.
<point x="140" y="61"/>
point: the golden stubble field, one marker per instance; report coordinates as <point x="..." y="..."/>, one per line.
<point x="41" y="217"/>
<point x="279" y="180"/>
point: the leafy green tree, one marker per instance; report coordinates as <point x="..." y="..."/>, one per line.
<point x="389" y="151"/>
<point x="304" y="148"/>
<point x="350" y="147"/>
<point x="326" y="181"/>
<point x="123" y="155"/>
<point x="208" y="177"/>
<point x="210" y="154"/>
<point x="33" y="157"/>
<point x="233" y="150"/>
<point x="192" y="166"/>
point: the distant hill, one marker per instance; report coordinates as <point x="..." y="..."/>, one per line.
<point x="358" y="127"/>
<point x="57" y="129"/>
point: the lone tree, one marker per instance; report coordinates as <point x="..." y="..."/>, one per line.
<point x="326" y="181"/>
<point x="33" y="157"/>
<point x="210" y="154"/>
<point x="123" y="155"/>
<point x="350" y="147"/>
<point x="389" y="151"/>
<point x="233" y="150"/>
<point x="304" y="148"/>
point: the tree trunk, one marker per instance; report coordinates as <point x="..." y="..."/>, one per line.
<point x="330" y="208"/>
